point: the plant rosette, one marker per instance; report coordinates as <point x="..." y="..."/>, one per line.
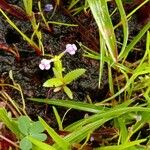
<point x="60" y="81"/>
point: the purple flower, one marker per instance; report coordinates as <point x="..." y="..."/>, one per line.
<point x="45" y="64"/>
<point x="92" y="139"/>
<point x="71" y="49"/>
<point x="48" y="7"/>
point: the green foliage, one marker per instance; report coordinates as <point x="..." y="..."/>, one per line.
<point x="25" y="144"/>
<point x="58" y="118"/>
<point x="54" y="82"/>
<point x="29" y="128"/>
<point x="11" y="124"/>
<point x="38" y="145"/>
<point x="73" y="75"/>
<point x="125" y="146"/>
<point x="72" y="104"/>
<point x="28" y="6"/>
<point x="101" y="15"/>
<point x="136" y="39"/>
<point x="122" y="113"/>
<point x="61" y="143"/>
<point x="127" y="117"/>
<point x="59" y="81"/>
<point x="68" y="92"/>
<point x="76" y="6"/>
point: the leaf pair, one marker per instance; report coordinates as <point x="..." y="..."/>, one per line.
<point x="59" y="82"/>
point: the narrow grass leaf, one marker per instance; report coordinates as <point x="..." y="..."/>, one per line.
<point x="9" y="122"/>
<point x="62" y="24"/>
<point x="101" y="60"/>
<point x="28" y="6"/>
<point x="41" y="145"/>
<point x="71" y="104"/>
<point x="57" y="116"/>
<point x="60" y="141"/>
<point x="134" y="42"/>
<point x="109" y="114"/>
<point x="124" y="22"/>
<point x="123" y="129"/>
<point x="101" y="15"/>
<point x="79" y="134"/>
<point x="121" y="147"/>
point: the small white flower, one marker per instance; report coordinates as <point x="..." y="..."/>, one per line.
<point x="71" y="49"/>
<point x="45" y="64"/>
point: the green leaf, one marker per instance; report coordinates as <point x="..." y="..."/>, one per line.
<point x="36" y="127"/>
<point x="124" y="24"/>
<point x="9" y="122"/>
<point x="123" y="129"/>
<point x="68" y="92"/>
<point x="25" y="144"/>
<point x="28" y="6"/>
<point x="24" y="124"/>
<point x="57" y="116"/>
<point x="72" y="75"/>
<point x="101" y="15"/>
<point x="58" y="66"/>
<point x="135" y="40"/>
<point x="54" y="82"/>
<point x="57" y="73"/>
<point x="39" y="136"/>
<point x="125" y="146"/>
<point x="72" y="104"/>
<point x="60" y="141"/>
<point x="41" y="145"/>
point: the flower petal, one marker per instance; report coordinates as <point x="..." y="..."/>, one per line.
<point x="71" y="49"/>
<point x="47" y="67"/>
<point x="41" y="66"/>
<point x="74" y="47"/>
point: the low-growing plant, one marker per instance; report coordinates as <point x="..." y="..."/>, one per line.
<point x="60" y="81"/>
<point x="29" y="133"/>
<point x="32" y="129"/>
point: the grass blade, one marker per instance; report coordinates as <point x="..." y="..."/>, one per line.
<point x="121" y="147"/>
<point x="40" y="144"/>
<point x="60" y="141"/>
<point x="101" y="15"/>
<point x="134" y="42"/>
<point x="124" y="23"/>
<point x="9" y="122"/>
<point x="71" y="104"/>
